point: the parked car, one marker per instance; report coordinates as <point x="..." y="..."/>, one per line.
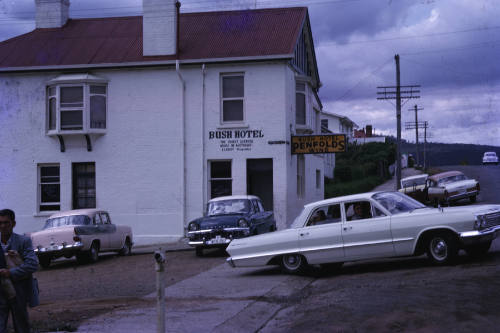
<point x="451" y="186"/>
<point x="227" y="218"/>
<point x="415" y="187"/>
<point x="490" y="157"/>
<point x="82" y="233"/>
<point x="391" y="224"/>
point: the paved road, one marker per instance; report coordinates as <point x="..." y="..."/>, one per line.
<point x="488" y="177"/>
<point x="405" y="294"/>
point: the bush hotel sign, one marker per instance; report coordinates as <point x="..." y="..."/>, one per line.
<point x="235" y="140"/>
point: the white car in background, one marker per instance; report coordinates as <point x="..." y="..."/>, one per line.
<point x="369" y="226"/>
<point x="490" y="157"/>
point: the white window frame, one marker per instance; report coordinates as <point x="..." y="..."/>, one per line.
<point x="223" y="99"/>
<point x="39" y="188"/>
<point x="77" y="80"/>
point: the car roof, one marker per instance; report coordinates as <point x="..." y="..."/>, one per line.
<point x="351" y="197"/>
<point x="445" y="174"/>
<point x="416" y="176"/>
<point x="89" y="212"/>
<point x="233" y="197"/>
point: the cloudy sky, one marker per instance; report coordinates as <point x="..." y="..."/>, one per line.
<point x="451" y="48"/>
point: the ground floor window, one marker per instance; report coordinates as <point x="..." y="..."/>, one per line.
<point x="49" y="188"/>
<point x="220" y="181"/>
<point x="84" y="193"/>
<point x="318" y="179"/>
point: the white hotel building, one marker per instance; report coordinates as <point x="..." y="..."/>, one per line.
<point x="151" y="116"/>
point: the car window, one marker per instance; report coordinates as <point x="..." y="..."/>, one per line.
<point x="261" y="206"/>
<point x="97" y="219"/>
<point x="105" y="218"/>
<point x="67" y="220"/>
<point x="358" y="210"/>
<point x="377" y="212"/>
<point x="232" y="206"/>
<point x="255" y="205"/>
<point x="396" y="202"/>
<point x="325" y="215"/>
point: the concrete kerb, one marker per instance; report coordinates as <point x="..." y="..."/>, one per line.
<point x="173" y="246"/>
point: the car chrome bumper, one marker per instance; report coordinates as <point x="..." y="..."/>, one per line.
<point x="59" y="249"/>
<point x="216" y="237"/>
<point x="479" y="236"/>
<point x="462" y="195"/>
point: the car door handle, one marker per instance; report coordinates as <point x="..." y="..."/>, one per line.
<point x="347" y="228"/>
<point x="304" y="234"/>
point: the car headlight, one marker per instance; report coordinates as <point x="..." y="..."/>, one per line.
<point x="480" y="222"/>
<point x="242" y="223"/>
<point x="193" y="226"/>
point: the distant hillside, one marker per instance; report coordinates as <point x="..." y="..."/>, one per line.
<point x="450" y="154"/>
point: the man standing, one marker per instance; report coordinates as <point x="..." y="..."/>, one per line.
<point x="21" y="275"/>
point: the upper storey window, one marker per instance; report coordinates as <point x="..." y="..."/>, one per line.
<point x="300" y="103"/>
<point x="76" y="104"/>
<point x="232" y="98"/>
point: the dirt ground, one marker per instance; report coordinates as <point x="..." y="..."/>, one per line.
<point x="71" y="293"/>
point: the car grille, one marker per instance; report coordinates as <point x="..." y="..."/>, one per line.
<point x="492" y="219"/>
<point x="217" y="232"/>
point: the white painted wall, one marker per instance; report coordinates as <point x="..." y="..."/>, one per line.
<point x="139" y="161"/>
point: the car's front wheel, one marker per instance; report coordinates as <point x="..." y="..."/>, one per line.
<point x="44" y="261"/>
<point x="442" y="248"/>
<point x="293" y="263"/>
<point x="92" y="255"/>
<point x="478" y="250"/>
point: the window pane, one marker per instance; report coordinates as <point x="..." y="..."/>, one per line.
<point x="44" y="208"/>
<point x="98" y="112"/>
<point x="300" y="87"/>
<point x="49" y="171"/>
<point x="220" y="188"/>
<point x="232" y="86"/>
<point x="232" y="111"/>
<point x="300" y="116"/>
<point x="98" y="90"/>
<point x="52" y="114"/>
<point x="50" y="193"/>
<point x="71" y="120"/>
<point x="72" y="97"/>
<point x="220" y="169"/>
<point x="84" y="191"/>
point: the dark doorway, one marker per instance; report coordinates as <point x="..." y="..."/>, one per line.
<point x="84" y="195"/>
<point x="260" y="180"/>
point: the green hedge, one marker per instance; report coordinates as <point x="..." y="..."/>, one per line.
<point x="366" y="184"/>
<point x="361" y="168"/>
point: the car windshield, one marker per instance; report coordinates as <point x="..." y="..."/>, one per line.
<point x="490" y="154"/>
<point x="451" y="179"/>
<point x="232" y="206"/>
<point x="396" y="202"/>
<point x="67" y="220"/>
<point x="413" y="181"/>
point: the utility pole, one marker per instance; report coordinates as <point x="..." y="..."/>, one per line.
<point x="416" y="109"/>
<point x="396" y="93"/>
<point x="426" y="135"/>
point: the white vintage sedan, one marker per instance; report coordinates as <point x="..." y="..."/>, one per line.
<point x="370" y="225"/>
<point x="80" y="232"/>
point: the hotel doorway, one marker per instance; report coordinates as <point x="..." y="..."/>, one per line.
<point x="260" y="180"/>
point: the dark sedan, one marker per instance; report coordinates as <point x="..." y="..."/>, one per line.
<point x="227" y="218"/>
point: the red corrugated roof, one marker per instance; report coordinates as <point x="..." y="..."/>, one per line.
<point x="243" y="33"/>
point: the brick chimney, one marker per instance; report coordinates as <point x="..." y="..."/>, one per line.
<point x="159" y="27"/>
<point x="51" y="13"/>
